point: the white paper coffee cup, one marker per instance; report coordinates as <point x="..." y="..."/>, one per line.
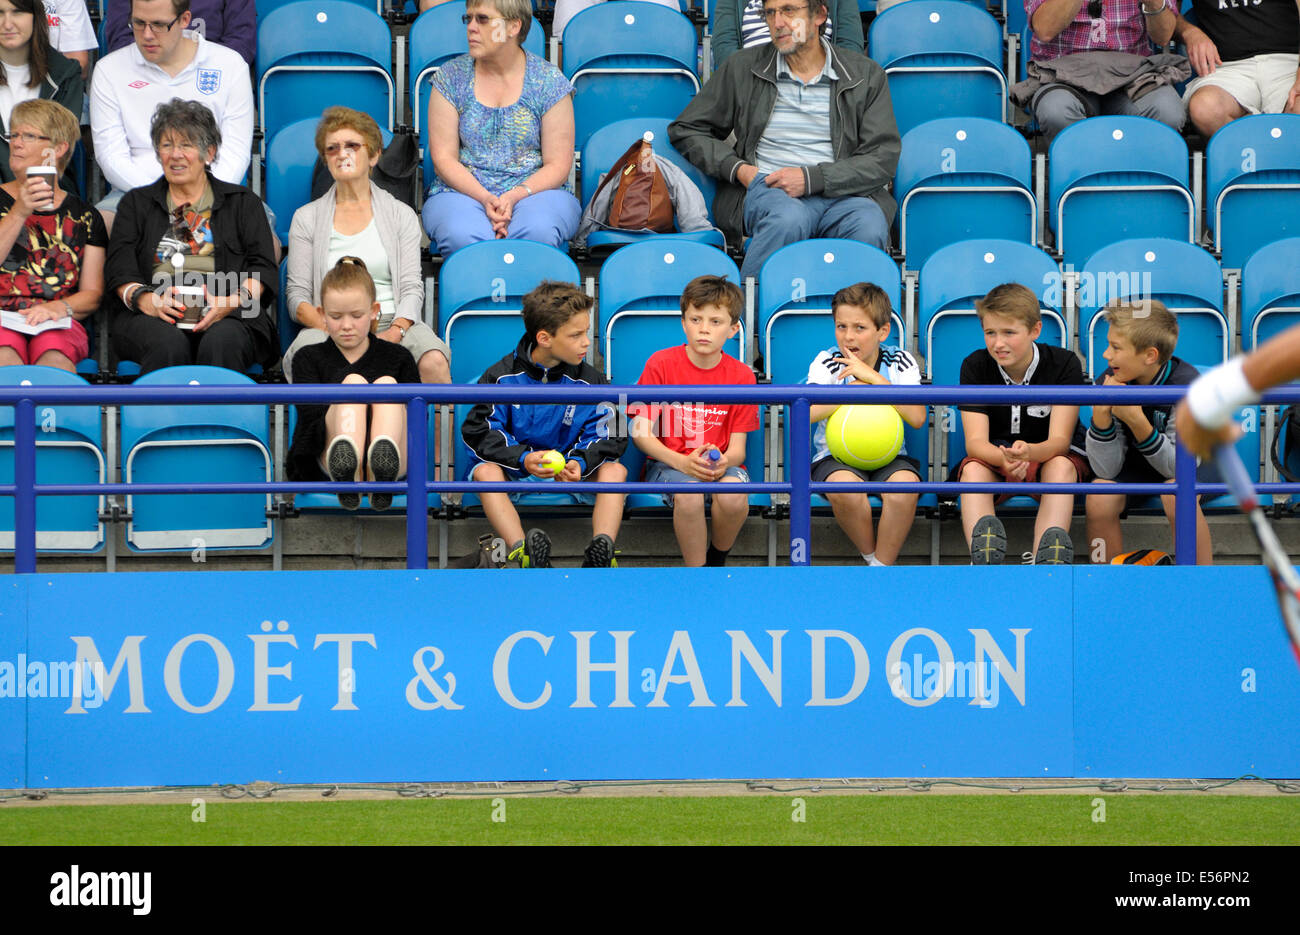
<point x="195" y="304"/>
<point x="49" y="174"/>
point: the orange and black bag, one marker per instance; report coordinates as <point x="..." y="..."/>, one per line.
<point x="641" y="200"/>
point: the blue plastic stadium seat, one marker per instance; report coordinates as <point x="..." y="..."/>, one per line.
<point x="312" y="54"/>
<point x="628" y="59"/>
<point x="640" y="301"/>
<point x="1270" y="292"/>
<point x="942" y="58"/>
<point x="606" y="145"/>
<point x="199" y="444"/>
<point x="69" y="450"/>
<point x="436" y="37"/>
<point x="290" y="160"/>
<point x="1116" y="178"/>
<point x="1252" y="174"/>
<point x="1184" y="277"/>
<point x="963" y="178"/>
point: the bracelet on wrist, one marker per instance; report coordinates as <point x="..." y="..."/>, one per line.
<point x="67" y="306"/>
<point x="524" y="186"/>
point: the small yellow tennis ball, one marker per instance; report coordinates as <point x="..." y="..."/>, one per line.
<point x="866" y="437"/>
<point x="553" y="460"/>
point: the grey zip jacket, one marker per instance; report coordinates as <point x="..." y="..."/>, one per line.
<point x="740" y="97"/>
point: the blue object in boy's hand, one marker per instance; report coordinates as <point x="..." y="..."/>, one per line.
<point x="713" y="455"/>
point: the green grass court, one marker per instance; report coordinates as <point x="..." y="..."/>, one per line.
<point x="928" y="818"/>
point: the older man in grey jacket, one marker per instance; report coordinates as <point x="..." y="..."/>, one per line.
<point x="816" y="144"/>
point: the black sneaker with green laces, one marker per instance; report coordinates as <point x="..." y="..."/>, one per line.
<point x="600" y="553"/>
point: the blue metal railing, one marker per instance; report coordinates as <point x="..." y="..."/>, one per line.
<point x="417" y="486"/>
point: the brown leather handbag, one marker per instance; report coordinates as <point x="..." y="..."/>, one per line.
<point x="641" y="200"/>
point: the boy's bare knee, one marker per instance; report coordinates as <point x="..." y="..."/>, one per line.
<point x="733" y="504"/>
<point x="1059" y="470"/>
<point x="976" y="472"/>
<point x="611" y="472"/>
<point x="688" y="504"/>
<point x="488" y="473"/>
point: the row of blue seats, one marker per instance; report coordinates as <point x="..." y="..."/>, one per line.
<point x="232" y="444"/>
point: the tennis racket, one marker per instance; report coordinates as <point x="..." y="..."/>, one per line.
<point x="1278" y="563"/>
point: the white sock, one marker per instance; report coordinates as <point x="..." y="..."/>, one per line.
<point x="870" y="559"/>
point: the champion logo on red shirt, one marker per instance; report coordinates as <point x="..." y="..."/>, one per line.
<point x="138" y="84"/>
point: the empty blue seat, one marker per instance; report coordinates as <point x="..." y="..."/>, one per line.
<point x="312" y="54"/>
<point x="1116" y="178"/>
<point x="69" y="450"/>
<point x="606" y="146"/>
<point x="436" y="37"/>
<point x="943" y="59"/>
<point x="1270" y="292"/>
<point x="197" y="444"/>
<point x="1252" y="175"/>
<point x="963" y="178"/>
<point x="1184" y="277"/>
<point x="628" y="59"/>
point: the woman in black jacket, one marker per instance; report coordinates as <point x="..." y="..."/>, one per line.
<point x="191" y="267"/>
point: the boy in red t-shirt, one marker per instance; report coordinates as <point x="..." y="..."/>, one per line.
<point x="699" y="442"/>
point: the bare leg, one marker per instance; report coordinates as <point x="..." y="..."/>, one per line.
<point x="976" y="505"/>
<point x="348" y="419"/>
<point x="388" y="419"/>
<point x="497" y="507"/>
<point x="56" y="359"/>
<point x="1055" y="509"/>
<point x="1210" y="108"/>
<point x="608" y="512"/>
<point x="1102" y="511"/>
<point x="730" y="510"/>
<point x="896" y="514"/>
<point x="853" y="513"/>
<point x="9" y="357"/>
<point x="691" y="528"/>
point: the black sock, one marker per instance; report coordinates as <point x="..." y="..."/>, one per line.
<point x="715" y="558"/>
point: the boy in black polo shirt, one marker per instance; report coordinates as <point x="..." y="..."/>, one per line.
<point x="1023" y="443"/>
<point x="1136" y="444"/>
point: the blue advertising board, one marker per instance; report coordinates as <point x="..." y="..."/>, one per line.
<point x="385" y="676"/>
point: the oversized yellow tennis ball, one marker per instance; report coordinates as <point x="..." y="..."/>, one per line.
<point x="866" y="437"/>
<point x="553" y="460"/>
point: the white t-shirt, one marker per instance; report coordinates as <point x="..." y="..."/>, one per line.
<point x="895" y="365"/>
<point x="70" y="29"/>
<point x="126" y="90"/>
<point x="566" y="10"/>
<point x="368" y="246"/>
<point x="15" y="89"/>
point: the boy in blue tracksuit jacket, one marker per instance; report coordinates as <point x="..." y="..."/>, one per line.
<point x="510" y="442"/>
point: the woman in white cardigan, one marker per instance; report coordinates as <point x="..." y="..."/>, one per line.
<point x="358" y="218"/>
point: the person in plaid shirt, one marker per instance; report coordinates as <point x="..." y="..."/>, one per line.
<point x="1068" y="27"/>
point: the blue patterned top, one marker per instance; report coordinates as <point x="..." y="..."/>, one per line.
<point x="501" y="146"/>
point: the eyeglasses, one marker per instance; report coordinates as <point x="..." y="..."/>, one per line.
<point x="168" y="146"/>
<point x="481" y="18"/>
<point x="139" y="25"/>
<point x="350" y="147"/>
<point x="1095" y="8"/>
<point x="26" y="137"/>
<point x="787" y="12"/>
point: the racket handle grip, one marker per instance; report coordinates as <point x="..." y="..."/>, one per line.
<point x="1235" y="477"/>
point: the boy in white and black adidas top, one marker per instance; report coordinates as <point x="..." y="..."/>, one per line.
<point x="1022" y="443"/>
<point x="860" y="358"/>
<point x="166" y="62"/>
<point x="1136" y="444"/>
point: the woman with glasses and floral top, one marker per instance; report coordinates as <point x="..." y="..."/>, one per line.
<point x="52" y="241"/>
<point x="501" y="137"/>
<point x="190" y="263"/>
<point x="358" y="218"/>
<point x="30" y="68"/>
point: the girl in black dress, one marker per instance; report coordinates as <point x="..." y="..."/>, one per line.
<point x="329" y="439"/>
